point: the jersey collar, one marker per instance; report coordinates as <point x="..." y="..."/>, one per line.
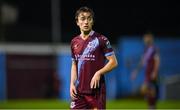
<point x="90" y="34"/>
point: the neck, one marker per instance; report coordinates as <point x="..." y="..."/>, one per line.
<point x="85" y="34"/>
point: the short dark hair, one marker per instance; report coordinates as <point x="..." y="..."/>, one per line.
<point x="84" y="9"/>
<point x="149" y="33"/>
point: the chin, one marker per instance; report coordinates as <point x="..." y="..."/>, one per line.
<point x="86" y="30"/>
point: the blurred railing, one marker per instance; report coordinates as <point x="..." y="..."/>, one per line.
<point x="44" y="70"/>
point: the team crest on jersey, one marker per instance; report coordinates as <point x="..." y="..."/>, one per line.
<point x="91" y="45"/>
<point x="76" y="46"/>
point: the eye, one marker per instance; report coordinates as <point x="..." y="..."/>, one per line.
<point x="82" y="18"/>
<point x="89" y="18"/>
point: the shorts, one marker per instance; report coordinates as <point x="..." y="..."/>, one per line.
<point x="90" y="101"/>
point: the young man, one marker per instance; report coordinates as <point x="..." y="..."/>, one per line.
<point x="150" y="60"/>
<point x="90" y="50"/>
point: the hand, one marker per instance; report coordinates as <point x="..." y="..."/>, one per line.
<point x="144" y="88"/>
<point x="133" y="75"/>
<point x="153" y="76"/>
<point x="95" y="81"/>
<point x="73" y="92"/>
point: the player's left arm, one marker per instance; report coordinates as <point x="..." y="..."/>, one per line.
<point x="156" y="66"/>
<point x="110" y="65"/>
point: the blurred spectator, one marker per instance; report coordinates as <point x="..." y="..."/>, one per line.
<point x="9" y="14"/>
<point x="150" y="60"/>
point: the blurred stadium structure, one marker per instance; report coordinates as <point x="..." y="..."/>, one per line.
<point x="43" y="71"/>
<point x="34" y="64"/>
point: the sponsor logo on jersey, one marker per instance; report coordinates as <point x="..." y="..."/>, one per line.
<point x="89" y="57"/>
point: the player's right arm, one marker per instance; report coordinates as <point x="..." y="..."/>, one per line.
<point x="73" y="91"/>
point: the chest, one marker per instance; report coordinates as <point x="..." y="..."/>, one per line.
<point x="84" y="47"/>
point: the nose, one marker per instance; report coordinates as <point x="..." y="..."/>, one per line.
<point x="86" y="21"/>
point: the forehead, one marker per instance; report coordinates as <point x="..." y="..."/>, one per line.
<point x="84" y="14"/>
<point x="148" y="36"/>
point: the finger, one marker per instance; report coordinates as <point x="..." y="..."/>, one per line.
<point x="75" y="92"/>
<point x="73" y="96"/>
<point x="95" y="84"/>
<point x="92" y="83"/>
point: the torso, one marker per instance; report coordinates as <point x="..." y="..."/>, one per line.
<point x="89" y="58"/>
<point x="148" y="61"/>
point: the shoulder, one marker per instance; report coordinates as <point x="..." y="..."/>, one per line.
<point x="101" y="37"/>
<point x="103" y="41"/>
<point x="155" y="49"/>
<point x="75" y="38"/>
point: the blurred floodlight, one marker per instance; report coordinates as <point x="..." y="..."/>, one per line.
<point x="9" y="14"/>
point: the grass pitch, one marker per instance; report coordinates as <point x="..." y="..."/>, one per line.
<point x="57" y="104"/>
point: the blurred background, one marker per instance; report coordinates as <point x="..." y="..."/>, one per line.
<point x="35" y="59"/>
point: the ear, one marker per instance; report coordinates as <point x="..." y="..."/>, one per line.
<point x="77" y="23"/>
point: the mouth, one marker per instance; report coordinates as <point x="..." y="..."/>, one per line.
<point x="86" y="27"/>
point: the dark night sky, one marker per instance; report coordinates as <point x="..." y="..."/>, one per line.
<point x="113" y="18"/>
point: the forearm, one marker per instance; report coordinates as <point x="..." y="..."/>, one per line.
<point x="73" y="74"/>
<point x="111" y="64"/>
<point x="73" y="78"/>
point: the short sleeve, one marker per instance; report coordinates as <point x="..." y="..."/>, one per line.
<point x="156" y="52"/>
<point x="72" y="52"/>
<point x="106" y="46"/>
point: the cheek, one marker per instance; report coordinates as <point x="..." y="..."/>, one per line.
<point x="79" y="23"/>
<point x="91" y="23"/>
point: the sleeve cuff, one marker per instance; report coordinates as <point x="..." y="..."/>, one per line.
<point x="109" y="54"/>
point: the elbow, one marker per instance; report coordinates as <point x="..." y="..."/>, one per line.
<point x="115" y="64"/>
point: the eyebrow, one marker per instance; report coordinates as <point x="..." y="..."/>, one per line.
<point x="85" y="16"/>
